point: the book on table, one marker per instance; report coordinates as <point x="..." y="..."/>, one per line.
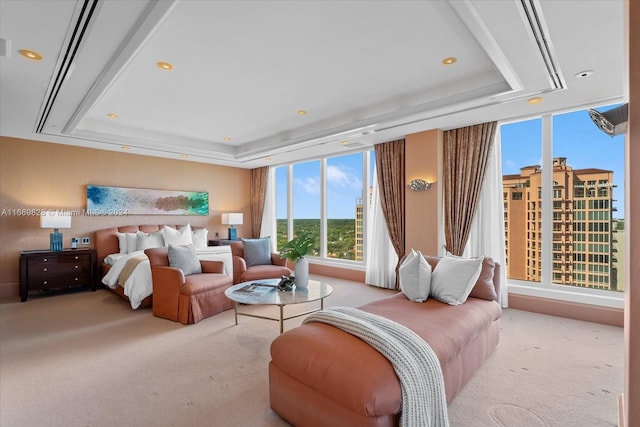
<point x="256" y="288"/>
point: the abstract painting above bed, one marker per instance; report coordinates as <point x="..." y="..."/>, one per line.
<point x="142" y="201"/>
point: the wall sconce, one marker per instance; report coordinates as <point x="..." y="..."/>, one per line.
<point x="419" y="184"/>
<point x="55" y="220"/>
<point x="232" y="219"/>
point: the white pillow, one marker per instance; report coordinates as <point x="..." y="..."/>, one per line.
<point x="453" y="279"/>
<point x="415" y="277"/>
<point x="149" y="240"/>
<point x="200" y="237"/>
<point x="177" y="237"/>
<point x="127" y="242"/>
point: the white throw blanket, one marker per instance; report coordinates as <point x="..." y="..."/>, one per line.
<point x="424" y="402"/>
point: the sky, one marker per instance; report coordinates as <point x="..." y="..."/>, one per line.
<point x="575" y="137"/>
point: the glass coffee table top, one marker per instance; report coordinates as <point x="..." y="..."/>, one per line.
<point x="265" y="292"/>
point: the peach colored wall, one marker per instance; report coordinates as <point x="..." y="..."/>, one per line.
<point x="421" y="218"/>
<point x="37" y="175"/>
<point x="632" y="221"/>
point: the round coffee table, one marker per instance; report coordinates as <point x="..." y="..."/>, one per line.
<point x="265" y="292"/>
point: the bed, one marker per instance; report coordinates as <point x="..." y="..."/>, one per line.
<point x="127" y="272"/>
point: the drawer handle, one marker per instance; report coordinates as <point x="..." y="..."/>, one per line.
<point x="76" y="266"/>
<point x="44" y="269"/>
<point x="76" y="257"/>
<point x="45" y="260"/>
<point x="76" y="279"/>
<point x="44" y="283"/>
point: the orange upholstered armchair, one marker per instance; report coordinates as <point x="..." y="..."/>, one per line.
<point x="187" y="298"/>
<point x="253" y="260"/>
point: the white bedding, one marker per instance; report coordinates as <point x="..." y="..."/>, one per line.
<point x="139" y="286"/>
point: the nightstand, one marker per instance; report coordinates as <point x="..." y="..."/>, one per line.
<point x="44" y="270"/>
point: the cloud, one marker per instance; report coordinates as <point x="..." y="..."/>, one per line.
<point x="342" y="176"/>
<point x="310" y="185"/>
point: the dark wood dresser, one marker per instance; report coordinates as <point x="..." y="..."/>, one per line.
<point x="45" y="270"/>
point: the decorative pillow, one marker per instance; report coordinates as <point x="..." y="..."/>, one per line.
<point x="127" y="242"/>
<point x="257" y="251"/>
<point x="149" y="240"/>
<point x="453" y="278"/>
<point x="184" y="258"/>
<point x="484" y="287"/>
<point x="200" y="237"/>
<point x="415" y="277"/>
<point x="177" y="237"/>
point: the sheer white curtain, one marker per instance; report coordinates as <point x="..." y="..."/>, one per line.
<point x="268" y="227"/>
<point x="487" y="230"/>
<point x="381" y="257"/>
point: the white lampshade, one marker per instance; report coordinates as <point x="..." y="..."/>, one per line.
<point x="55" y="219"/>
<point x="232" y="218"/>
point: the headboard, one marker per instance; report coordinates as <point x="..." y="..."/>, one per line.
<point x="106" y="240"/>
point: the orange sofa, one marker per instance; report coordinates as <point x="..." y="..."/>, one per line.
<point x="320" y="375"/>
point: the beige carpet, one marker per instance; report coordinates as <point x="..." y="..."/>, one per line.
<point x="87" y="359"/>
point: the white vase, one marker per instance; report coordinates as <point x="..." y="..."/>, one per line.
<point x="301" y="271"/>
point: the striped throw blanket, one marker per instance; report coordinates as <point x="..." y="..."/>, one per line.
<point x="424" y="402"/>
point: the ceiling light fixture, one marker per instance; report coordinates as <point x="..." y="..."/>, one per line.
<point x="164" y="65"/>
<point x="450" y="60"/>
<point x="344" y="142"/>
<point x="185" y="156"/>
<point x="536" y="100"/>
<point x="125" y="147"/>
<point x="268" y="159"/>
<point x="226" y="138"/>
<point x="302" y="112"/>
<point x="112" y="115"/>
<point x="30" y="54"/>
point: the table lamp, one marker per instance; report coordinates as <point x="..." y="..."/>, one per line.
<point x="232" y="219"/>
<point x="55" y="220"/>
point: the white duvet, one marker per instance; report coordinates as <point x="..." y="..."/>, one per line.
<point x="139" y="285"/>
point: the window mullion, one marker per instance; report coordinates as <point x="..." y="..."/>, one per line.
<point x="547" y="200"/>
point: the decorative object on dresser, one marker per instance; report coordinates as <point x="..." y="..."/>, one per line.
<point x="45" y="270"/>
<point x="232" y="219"/>
<point x="220" y="242"/>
<point x="55" y="219"/>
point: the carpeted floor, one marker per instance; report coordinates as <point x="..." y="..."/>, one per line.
<point x="87" y="359"/>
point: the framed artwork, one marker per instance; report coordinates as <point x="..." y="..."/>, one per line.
<point x="142" y="201"/>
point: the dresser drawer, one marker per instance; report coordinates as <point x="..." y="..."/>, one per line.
<point x="44" y="270"/>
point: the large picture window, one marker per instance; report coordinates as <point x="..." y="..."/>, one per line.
<point x="325" y="198"/>
<point x="579" y="197"/>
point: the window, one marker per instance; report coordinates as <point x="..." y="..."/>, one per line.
<point x="326" y="198"/>
<point x="581" y="203"/>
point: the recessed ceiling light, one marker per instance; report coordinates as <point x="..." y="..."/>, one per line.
<point x="344" y="142"/>
<point x="30" y="54"/>
<point x="450" y="60"/>
<point x="226" y="138"/>
<point x="268" y="159"/>
<point x="536" y="100"/>
<point x="302" y="112"/>
<point x="583" y="74"/>
<point x="125" y="147"/>
<point x="164" y="65"/>
<point x="112" y="115"/>
<point x="185" y="156"/>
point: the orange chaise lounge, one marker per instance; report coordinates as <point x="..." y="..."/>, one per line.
<point x="320" y="375"/>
